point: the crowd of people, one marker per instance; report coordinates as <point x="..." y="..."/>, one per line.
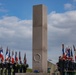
<point x="11" y="69"/>
<point x="66" y="66"/>
<point x="66" y="63"/>
<point x="12" y="64"/>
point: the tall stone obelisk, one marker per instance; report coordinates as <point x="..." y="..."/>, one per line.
<point x="40" y="38"/>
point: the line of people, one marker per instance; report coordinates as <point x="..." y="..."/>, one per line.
<point x="66" y="66"/>
<point x="7" y="68"/>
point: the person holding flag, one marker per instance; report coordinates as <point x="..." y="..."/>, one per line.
<point x="16" y="67"/>
<point x="74" y="56"/>
<point x="1" y="61"/>
<point x="20" y="63"/>
<point x="25" y="65"/>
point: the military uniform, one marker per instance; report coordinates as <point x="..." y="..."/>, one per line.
<point x="25" y="66"/>
<point x="5" y="68"/>
<point x="1" y="68"/>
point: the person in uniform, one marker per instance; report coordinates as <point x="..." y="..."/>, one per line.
<point x="16" y="67"/>
<point x="1" y="67"/>
<point x="5" y="67"/>
<point x="9" y="67"/>
<point x="25" y="66"/>
<point x="20" y="67"/>
<point x="61" y="65"/>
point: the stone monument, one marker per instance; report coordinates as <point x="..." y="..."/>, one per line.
<point x="39" y="38"/>
<point x="39" y="45"/>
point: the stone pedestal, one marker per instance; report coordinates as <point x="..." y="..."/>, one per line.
<point x="32" y="74"/>
<point x="39" y="59"/>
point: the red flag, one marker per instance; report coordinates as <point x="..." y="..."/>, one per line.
<point x="1" y="54"/>
<point x="16" y="58"/>
<point x="12" y="57"/>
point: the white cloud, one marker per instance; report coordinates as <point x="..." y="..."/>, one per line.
<point x="17" y="34"/>
<point x="15" y="27"/>
<point x="61" y="27"/>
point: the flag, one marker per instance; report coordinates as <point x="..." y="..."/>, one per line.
<point x="67" y="53"/>
<point x="62" y="49"/>
<point x="75" y="58"/>
<point x="7" y="54"/>
<point x="71" y="54"/>
<point x="12" y="59"/>
<point x="16" y="58"/>
<point x="25" y="58"/>
<point x="19" y="56"/>
<point x="1" y="54"/>
<point x="74" y="48"/>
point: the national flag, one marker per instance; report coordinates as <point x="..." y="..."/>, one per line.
<point x="71" y="54"/>
<point x="75" y="58"/>
<point x="1" y="54"/>
<point x="16" y="58"/>
<point x="67" y="52"/>
<point x="19" y="56"/>
<point x="74" y="52"/>
<point x="12" y="57"/>
<point x="74" y="48"/>
<point x="62" y="49"/>
<point x="25" y="58"/>
<point x="7" y="54"/>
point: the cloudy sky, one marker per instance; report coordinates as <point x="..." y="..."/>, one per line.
<point x="16" y="26"/>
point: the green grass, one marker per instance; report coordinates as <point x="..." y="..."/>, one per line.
<point x="29" y="70"/>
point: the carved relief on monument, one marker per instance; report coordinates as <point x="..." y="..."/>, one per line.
<point x="37" y="57"/>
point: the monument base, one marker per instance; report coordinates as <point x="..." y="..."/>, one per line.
<point x="32" y="74"/>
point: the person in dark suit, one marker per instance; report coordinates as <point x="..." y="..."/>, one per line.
<point x="61" y="65"/>
<point x="9" y="67"/>
<point x="1" y="67"/>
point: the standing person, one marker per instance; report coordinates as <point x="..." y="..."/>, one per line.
<point x="20" y="67"/>
<point x="61" y="66"/>
<point x="20" y="63"/>
<point x="1" y="67"/>
<point x="1" y="59"/>
<point x="12" y="60"/>
<point x="24" y="65"/>
<point x="9" y="67"/>
<point x="5" y="67"/>
<point x="16" y="63"/>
